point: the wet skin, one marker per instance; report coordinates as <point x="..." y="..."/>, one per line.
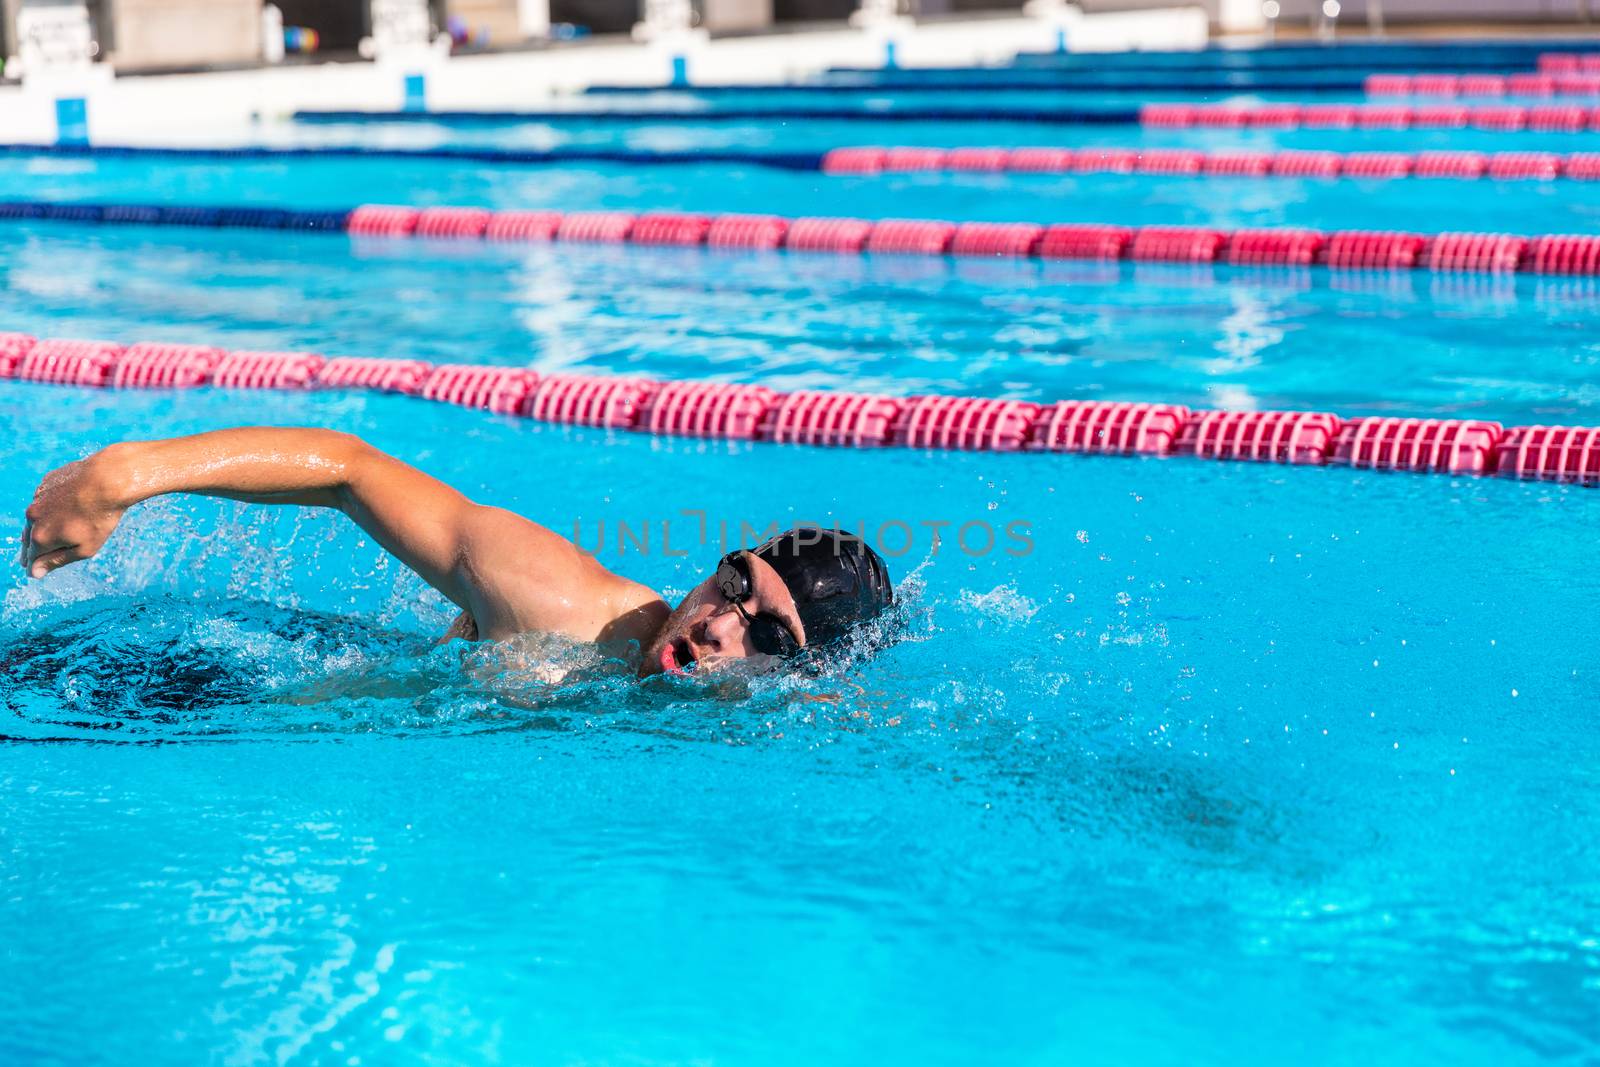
<point x="507" y="574"/>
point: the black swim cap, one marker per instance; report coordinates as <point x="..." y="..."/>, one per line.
<point x="836" y="579"/>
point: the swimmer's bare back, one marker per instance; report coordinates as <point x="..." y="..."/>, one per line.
<point x="508" y="575"/>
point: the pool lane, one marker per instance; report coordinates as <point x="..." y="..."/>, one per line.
<point x="1447" y="346"/>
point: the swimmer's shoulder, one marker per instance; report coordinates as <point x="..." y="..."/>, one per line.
<point x="637" y="613"/>
<point x="619" y="611"/>
<point x="589" y="603"/>
<point x="522" y="578"/>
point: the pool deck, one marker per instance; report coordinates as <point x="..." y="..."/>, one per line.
<point x="217" y="107"/>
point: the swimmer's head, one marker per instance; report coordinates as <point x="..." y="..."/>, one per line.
<point x="799" y="592"/>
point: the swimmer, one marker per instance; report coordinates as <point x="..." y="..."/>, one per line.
<point x="798" y="592"/>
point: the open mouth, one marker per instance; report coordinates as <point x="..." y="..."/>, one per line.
<point x="677" y="656"/>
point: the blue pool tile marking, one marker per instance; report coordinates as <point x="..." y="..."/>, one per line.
<point x="72" y="121"/>
<point x="416" y="92"/>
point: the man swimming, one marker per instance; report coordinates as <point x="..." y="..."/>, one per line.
<point x="797" y="592"/>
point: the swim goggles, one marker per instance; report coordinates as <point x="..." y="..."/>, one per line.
<point x="769" y="636"/>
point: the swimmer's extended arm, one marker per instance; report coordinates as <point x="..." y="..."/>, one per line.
<point x="510" y="574"/>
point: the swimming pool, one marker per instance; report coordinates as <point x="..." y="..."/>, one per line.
<point x="1235" y="762"/>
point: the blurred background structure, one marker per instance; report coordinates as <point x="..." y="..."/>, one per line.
<point x="146" y="35"/>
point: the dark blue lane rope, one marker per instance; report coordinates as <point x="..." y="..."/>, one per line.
<point x="177" y="215"/>
<point x="1433" y="57"/>
<point x="1046" y="65"/>
<point x="1048" y="116"/>
<point x="990" y="82"/>
<point x="804" y="161"/>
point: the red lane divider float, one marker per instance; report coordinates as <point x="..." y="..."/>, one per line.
<point x="855" y="420"/>
<point x="1563" y="255"/>
<point x="1268" y="436"/>
<point x="452" y="222"/>
<point x="1108" y="428"/>
<point x="996" y="239"/>
<point x="523" y="226"/>
<point x="158" y="366"/>
<point x="595" y="227"/>
<point x="1276" y="248"/>
<point x="1034" y="160"/>
<point x="924" y="237"/>
<point x="1307" y="164"/>
<point x="965" y="423"/>
<point x="1238" y="164"/>
<point x="69" y="362"/>
<point x="1091" y="241"/>
<point x="1188" y="162"/>
<point x="1373" y="250"/>
<point x="267" y="370"/>
<point x="848" y="420"/>
<point x="1438" y="446"/>
<point x="827" y="235"/>
<point x="385" y="375"/>
<point x="1176" y="244"/>
<point x="383" y="220"/>
<point x="1503" y="117"/>
<point x="1569" y="63"/>
<point x="977" y="159"/>
<point x="13" y="346"/>
<point x="706" y="409"/>
<point x="1487" y="252"/>
<point x="1576" y="82"/>
<point x="584" y="400"/>
<point x="1554" y="453"/>
<point x="1341" y="249"/>
<point x="1106" y="160"/>
<point x="502" y="390"/>
<point x="747" y="231"/>
<point x="664" y="228"/>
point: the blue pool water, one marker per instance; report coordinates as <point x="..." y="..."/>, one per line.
<point x="1111" y="797"/>
<point x="1513" y="349"/>
<point x="1233" y="763"/>
<point x="674" y="127"/>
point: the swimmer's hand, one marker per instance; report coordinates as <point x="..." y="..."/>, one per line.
<point x="74" y="510"/>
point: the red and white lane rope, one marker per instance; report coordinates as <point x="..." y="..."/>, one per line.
<point x="1576" y="82"/>
<point x="1506" y="118"/>
<point x="1569" y="63"/>
<point x="1339" y="249"/>
<point x="1189" y="162"/>
<point x="854" y="420"/>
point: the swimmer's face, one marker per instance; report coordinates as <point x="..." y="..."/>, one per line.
<point x="707" y="629"/>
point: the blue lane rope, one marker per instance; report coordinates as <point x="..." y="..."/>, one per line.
<point x="178" y="215"/>
<point x="1436" y="57"/>
<point x="802" y="161"/>
<point x="1127" y="116"/>
<point x="903" y="81"/>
